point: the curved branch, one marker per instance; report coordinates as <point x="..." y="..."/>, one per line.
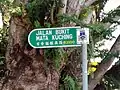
<point x="103" y="67"/>
<point x="52" y="13"/>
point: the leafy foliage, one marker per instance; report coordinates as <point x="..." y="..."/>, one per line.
<point x="85" y="12"/>
<point x="111" y="78"/>
<point x="40" y="10"/>
<point x="57" y="55"/>
<point x="68" y="83"/>
<point x="99" y="6"/>
<point x="3" y="41"/>
<point x="98" y="32"/>
<point x="112" y="16"/>
<point x="3" y="45"/>
<point x="65" y="19"/>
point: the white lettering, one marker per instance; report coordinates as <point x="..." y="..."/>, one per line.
<point x="60" y="42"/>
<point x="61" y="37"/>
<point x="53" y="37"/>
<point x="38" y="43"/>
<point x="66" y="31"/>
<point x="51" y="43"/>
<point x="46" y="43"/>
<point x="56" y="42"/>
<point x="42" y="43"/>
<point x="39" y="38"/>
<point x="44" y="32"/>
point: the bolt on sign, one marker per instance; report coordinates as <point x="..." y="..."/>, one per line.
<point x="58" y="37"/>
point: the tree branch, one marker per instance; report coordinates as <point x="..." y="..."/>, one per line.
<point x="103" y="67"/>
<point x="89" y="2"/>
<point x="62" y="10"/>
<point x="52" y="13"/>
<point x="112" y="16"/>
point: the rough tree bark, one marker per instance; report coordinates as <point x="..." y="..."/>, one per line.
<point x="27" y="71"/>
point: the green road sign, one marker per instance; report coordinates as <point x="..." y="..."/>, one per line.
<point x="58" y="37"/>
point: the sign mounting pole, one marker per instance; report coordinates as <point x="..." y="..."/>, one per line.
<point x="84" y="61"/>
<point x="84" y="68"/>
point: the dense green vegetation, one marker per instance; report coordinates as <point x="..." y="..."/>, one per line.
<point x="44" y="13"/>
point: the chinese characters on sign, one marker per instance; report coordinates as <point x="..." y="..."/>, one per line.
<point x="57" y="37"/>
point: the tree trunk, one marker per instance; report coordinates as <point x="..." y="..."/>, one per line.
<point x="103" y="67"/>
<point x="27" y="70"/>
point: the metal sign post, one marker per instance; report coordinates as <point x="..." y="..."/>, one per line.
<point x="84" y="67"/>
<point x="84" y="61"/>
